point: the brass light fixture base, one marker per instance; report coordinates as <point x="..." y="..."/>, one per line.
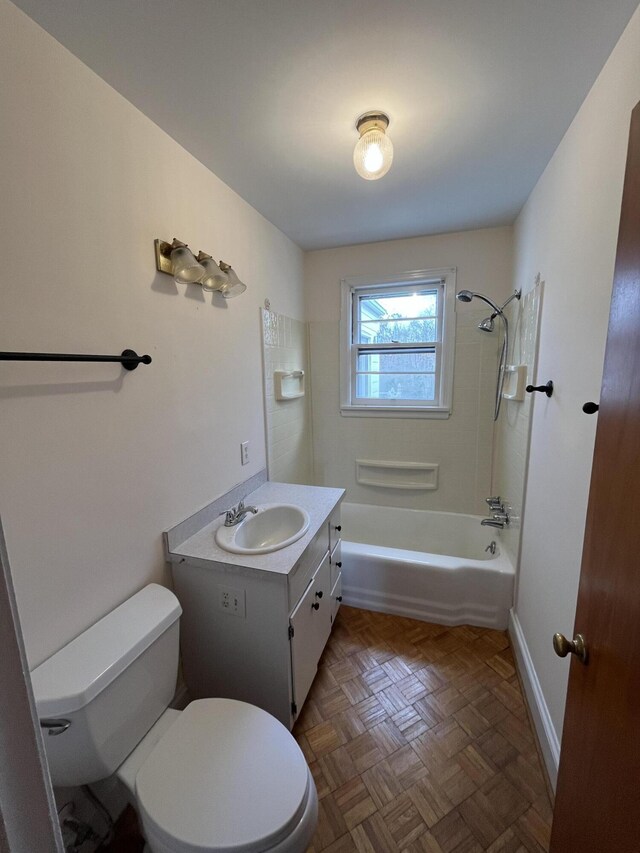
<point x="163" y="256"/>
<point x="372" y="119"/>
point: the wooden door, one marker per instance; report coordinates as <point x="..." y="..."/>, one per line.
<point x="598" y="796"/>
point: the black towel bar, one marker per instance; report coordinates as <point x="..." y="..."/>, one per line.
<point x="129" y="359"/>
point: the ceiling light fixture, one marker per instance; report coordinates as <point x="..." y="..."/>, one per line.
<point x="373" y="153"/>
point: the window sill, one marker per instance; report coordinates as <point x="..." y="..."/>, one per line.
<point x="436" y="412"/>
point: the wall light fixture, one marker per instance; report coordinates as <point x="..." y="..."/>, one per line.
<point x="177" y="259"/>
<point x="373" y="153"/>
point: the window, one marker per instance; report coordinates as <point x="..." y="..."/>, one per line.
<point x="397" y="344"/>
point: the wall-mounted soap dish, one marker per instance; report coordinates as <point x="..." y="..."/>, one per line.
<point x="515" y="378"/>
<point x="288" y="384"/>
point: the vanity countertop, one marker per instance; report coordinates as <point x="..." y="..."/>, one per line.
<point x="318" y="501"/>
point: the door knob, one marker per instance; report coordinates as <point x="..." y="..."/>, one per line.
<point x="577" y="647"/>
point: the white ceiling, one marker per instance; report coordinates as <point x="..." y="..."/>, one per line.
<point x="266" y="92"/>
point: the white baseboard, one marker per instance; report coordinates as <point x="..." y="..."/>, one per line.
<point x="545" y="730"/>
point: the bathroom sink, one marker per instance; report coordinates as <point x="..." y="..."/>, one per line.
<point x="274" y="526"/>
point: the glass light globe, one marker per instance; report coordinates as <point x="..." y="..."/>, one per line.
<point x="233" y="286"/>
<point x="373" y="154"/>
<point x="184" y="266"/>
<point x="214" y="279"/>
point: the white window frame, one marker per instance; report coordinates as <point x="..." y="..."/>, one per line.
<point x="441" y="406"/>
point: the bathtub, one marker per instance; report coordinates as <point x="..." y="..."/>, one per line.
<point x="427" y="565"/>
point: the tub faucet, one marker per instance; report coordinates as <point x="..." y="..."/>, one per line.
<point x="498" y="519"/>
<point x="235" y="514"/>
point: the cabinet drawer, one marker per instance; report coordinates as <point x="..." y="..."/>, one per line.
<point x="336" y="597"/>
<point x="335" y="527"/>
<point x="306" y="566"/>
<point x="336" y="562"/>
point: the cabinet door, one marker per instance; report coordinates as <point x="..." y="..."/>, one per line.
<point x="323" y="598"/>
<point x="336" y="562"/>
<point x="311" y="624"/>
<point x="336" y="596"/>
<point x="335" y="527"/>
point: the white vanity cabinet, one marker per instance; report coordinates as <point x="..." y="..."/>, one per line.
<point x="257" y="635"/>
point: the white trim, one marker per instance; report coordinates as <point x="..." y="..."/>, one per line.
<point x="396" y="412"/>
<point x="446" y="277"/>
<point x="547" y="737"/>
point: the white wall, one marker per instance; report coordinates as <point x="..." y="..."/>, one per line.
<point x="96" y="464"/>
<point x="568" y="231"/>
<point x="461" y="445"/>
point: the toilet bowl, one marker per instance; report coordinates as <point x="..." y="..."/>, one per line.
<point x="222" y="776"/>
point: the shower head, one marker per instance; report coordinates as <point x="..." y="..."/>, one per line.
<point x="486" y="325"/>
<point x="468" y="295"/>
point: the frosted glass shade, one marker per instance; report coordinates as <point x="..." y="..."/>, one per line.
<point x="184" y="266"/>
<point x="233" y="286"/>
<point x="214" y="278"/>
<point x="373" y="154"/>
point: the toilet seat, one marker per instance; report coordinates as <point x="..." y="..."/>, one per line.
<point x="226" y="777"/>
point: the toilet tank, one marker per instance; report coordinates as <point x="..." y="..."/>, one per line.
<point x="111" y="684"/>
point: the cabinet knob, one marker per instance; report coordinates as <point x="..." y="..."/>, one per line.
<point x="315" y="606"/>
<point x="319" y="593"/>
<point x="338" y="527"/>
<point x="338" y="598"/>
<point x="339" y="565"/>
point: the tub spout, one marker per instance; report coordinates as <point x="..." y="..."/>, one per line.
<point x="498" y="519"/>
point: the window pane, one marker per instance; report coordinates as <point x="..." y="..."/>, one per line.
<point x="421" y="303"/>
<point x="396" y="386"/>
<point x="393" y="330"/>
<point x="411" y="361"/>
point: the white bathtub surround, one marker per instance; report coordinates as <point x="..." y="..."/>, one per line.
<point x="461" y="444"/>
<point x="426" y="565"/>
<point x="512" y="429"/>
<point x="285" y="354"/>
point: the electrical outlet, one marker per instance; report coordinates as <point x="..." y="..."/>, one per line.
<point x="232" y="601"/>
<point x="244" y="452"/>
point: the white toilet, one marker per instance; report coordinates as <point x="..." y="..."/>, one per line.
<point x="220" y="776"/>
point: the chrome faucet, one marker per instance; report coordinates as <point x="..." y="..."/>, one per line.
<point x="235" y="514"/>
<point x="498" y="519"/>
<point x="495" y="503"/>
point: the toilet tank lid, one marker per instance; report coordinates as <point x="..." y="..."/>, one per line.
<point x="73" y="676"/>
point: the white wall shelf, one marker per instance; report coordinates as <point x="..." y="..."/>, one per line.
<point x="515" y="378"/>
<point x="397" y="475"/>
<point x="288" y="384"/>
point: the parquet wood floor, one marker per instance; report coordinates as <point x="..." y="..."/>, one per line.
<point x="418" y="740"/>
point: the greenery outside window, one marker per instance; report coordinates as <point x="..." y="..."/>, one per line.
<point x="397" y="344"/>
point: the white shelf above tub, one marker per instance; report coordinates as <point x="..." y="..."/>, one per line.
<point x="515" y="378"/>
<point x="397" y="475"/>
<point x="288" y="384"/>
